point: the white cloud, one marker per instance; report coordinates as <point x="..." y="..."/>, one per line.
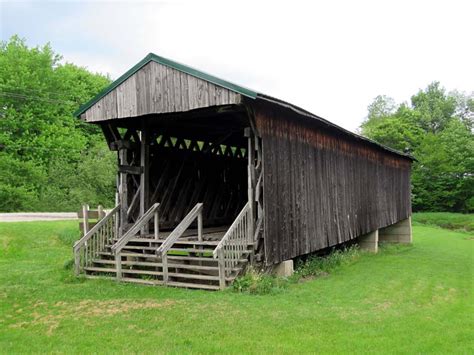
<point x="331" y="58"/>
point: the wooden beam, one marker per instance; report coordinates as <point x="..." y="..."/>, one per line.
<point x="144" y="176"/>
<point x="127" y="169"/>
<point x="122" y="144"/>
<point x="123" y="191"/>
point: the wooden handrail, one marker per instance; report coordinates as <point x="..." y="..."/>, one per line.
<point x="118" y="246"/>
<point x="196" y="212"/>
<point x="95" y="240"/>
<point x="94" y="229"/>
<point x="231" y="229"/>
<point x="234" y="245"/>
<point x="162" y="251"/>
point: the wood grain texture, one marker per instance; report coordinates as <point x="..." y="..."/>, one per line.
<point x="156" y="88"/>
<point x="321" y="188"/>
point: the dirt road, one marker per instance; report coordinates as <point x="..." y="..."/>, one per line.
<point x="36" y="216"/>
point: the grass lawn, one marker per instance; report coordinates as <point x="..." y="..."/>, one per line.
<point x="414" y="299"/>
<point x="455" y="221"/>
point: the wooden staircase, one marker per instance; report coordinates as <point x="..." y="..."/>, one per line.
<point x="190" y="263"/>
<point x="200" y="258"/>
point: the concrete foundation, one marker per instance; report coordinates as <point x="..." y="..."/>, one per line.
<point x="399" y="232"/>
<point x="369" y="241"/>
<point x="284" y="268"/>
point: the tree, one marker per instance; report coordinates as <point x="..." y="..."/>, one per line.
<point x="42" y="142"/>
<point x="437" y="130"/>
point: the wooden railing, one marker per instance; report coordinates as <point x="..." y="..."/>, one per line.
<point x="234" y="245"/>
<point x="90" y="245"/>
<point x="162" y="251"/>
<point x="139" y="224"/>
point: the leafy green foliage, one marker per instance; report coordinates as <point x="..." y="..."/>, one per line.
<point x="49" y="159"/>
<point x="262" y="283"/>
<point x="258" y="283"/>
<point x="437" y="128"/>
<point x="318" y="266"/>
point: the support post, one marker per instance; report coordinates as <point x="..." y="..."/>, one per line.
<point x="164" y="262"/>
<point x="123" y="192"/>
<point x="77" y="262"/>
<point x="85" y="218"/>
<point x="118" y="266"/>
<point x="100" y="212"/>
<point x="251" y="178"/>
<point x="399" y="232"/>
<point x="221" y="262"/>
<point x="144" y="176"/>
<point x="199" y="225"/>
<point x="156" y="225"/>
<point x="369" y="241"/>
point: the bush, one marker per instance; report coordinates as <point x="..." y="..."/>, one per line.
<point x="261" y="283"/>
<point x="258" y="283"/>
<point x="316" y="265"/>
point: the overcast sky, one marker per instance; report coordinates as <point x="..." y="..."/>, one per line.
<point x="329" y="57"/>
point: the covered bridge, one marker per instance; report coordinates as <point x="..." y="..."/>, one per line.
<point x="213" y="176"/>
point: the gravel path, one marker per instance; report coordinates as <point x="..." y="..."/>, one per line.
<point x="36" y="216"/>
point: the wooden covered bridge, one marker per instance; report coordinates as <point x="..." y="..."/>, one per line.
<point x="213" y="176"/>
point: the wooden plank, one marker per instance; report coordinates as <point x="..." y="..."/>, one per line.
<point x="127" y="169"/>
<point x="322" y="189"/>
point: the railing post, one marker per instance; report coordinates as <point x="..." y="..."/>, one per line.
<point x="118" y="265"/>
<point x="164" y="262"/>
<point x="77" y="262"/>
<point x="118" y="230"/>
<point x="199" y="218"/>
<point x="100" y="212"/>
<point x="85" y="218"/>
<point x="157" y="229"/>
<point x="221" y="262"/>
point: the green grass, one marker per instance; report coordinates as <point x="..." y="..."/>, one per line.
<point x="415" y="299"/>
<point x="454" y="221"/>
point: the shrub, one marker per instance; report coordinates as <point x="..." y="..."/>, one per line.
<point x="261" y="283"/>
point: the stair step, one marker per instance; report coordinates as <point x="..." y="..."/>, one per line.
<point x="100" y="277"/>
<point x="100" y="269"/>
<point x="169" y="283"/>
<point x="150" y="255"/>
<point x="142" y="247"/>
<point x="183" y="241"/>
<point x="172" y="284"/>
<point x="141" y="281"/>
<point x="151" y="273"/>
<point x="143" y="263"/>
<point x="189" y="285"/>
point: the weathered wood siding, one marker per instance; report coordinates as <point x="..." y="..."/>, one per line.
<point x="156" y="88"/>
<point x="322" y="188"/>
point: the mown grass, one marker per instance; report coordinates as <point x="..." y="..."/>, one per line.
<point x="416" y="299"/>
<point x="454" y="221"/>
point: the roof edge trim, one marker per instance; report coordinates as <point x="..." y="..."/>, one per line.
<point x="151" y="57"/>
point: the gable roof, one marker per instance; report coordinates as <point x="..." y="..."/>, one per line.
<point x="151" y="57"/>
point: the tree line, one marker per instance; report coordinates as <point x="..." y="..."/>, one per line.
<point x="52" y="161"/>
<point x="49" y="160"/>
<point x="436" y="128"/>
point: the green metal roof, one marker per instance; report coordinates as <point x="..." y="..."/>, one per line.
<point x="172" y="64"/>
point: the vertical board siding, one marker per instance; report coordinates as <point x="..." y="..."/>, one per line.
<point x="322" y="189"/>
<point x="156" y="88"/>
